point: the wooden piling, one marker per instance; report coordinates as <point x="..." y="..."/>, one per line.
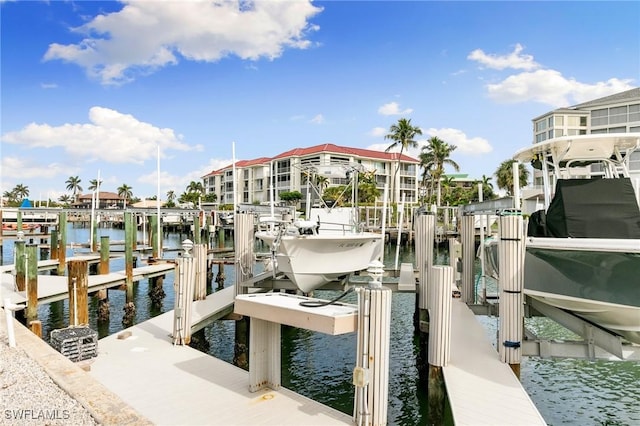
<point x="128" y="254"/>
<point x="31" y="283"/>
<point x="441" y="283"/>
<point x="153" y="235"/>
<point x="20" y="264"/>
<point x="78" y="284"/>
<point x="62" y="250"/>
<point x="103" y="305"/>
<point x="511" y="250"/>
<point x="36" y="327"/>
<point x="18" y="221"/>
<point x="104" y="255"/>
<point x="156" y="290"/>
<point x="53" y="243"/>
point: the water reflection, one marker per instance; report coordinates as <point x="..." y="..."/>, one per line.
<point x="565" y="391"/>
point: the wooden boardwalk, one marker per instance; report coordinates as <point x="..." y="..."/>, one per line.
<point x="174" y="385"/>
<point x="482" y="390"/>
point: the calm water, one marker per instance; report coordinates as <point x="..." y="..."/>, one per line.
<point x="569" y="391"/>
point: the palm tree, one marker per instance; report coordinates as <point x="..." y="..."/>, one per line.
<point x="504" y="176"/>
<point x="65" y="199"/>
<point x="10" y="196"/>
<point x="21" y="191"/>
<point x="73" y="185"/>
<point x="195" y="187"/>
<point x="487" y="187"/>
<point x="171" y="196"/>
<point x="434" y="156"/>
<point x="94" y="184"/>
<point x="125" y="192"/>
<point x="402" y="134"/>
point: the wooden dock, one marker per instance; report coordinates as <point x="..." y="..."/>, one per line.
<point x="53" y="287"/>
<point x="180" y="385"/>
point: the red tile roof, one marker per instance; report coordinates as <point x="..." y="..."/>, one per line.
<point x="327" y="147"/>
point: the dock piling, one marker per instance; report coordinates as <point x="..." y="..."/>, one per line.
<point x="31" y="268"/>
<point x="104" y="255"/>
<point x="78" y="283"/>
<point x="62" y="250"/>
<point x="441" y="284"/>
<point x="511" y="252"/>
<point x="371" y="373"/>
<point x="467" y="235"/>
<point x="183" y="284"/>
<point x="20" y="262"/>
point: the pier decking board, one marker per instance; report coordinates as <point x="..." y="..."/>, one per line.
<point x="53" y="287"/>
<point x="481" y="389"/>
<point x="181" y="385"/>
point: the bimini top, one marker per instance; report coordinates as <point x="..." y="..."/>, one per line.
<point x="581" y="147"/>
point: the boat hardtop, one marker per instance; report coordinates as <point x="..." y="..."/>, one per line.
<point x="581" y="147"/>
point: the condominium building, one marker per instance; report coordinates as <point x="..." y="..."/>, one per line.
<point x="618" y="113"/>
<point x="287" y="171"/>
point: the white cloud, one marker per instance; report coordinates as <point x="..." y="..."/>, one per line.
<point x="552" y="88"/>
<point x="49" y="85"/>
<point x="464" y="144"/>
<point x="378" y="132"/>
<point x="110" y="136"/>
<point x="146" y="35"/>
<point x="318" y="119"/>
<point x="539" y="84"/>
<point x="514" y="60"/>
<point x="392" y="108"/>
<point x="16" y="170"/>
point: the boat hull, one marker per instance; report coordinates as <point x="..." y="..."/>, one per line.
<point x="310" y="261"/>
<point x="596" y="279"/>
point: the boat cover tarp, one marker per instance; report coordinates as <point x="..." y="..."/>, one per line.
<point x="594" y="208"/>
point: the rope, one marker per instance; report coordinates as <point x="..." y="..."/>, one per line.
<point x="318" y="303"/>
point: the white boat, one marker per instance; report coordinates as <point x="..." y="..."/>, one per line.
<point x="583" y="249"/>
<point x="33" y="219"/>
<point x="329" y="247"/>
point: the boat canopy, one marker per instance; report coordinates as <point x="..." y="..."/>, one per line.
<point x="581" y="148"/>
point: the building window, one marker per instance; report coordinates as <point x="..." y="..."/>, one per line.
<point x="559" y="120"/>
<point x="541" y="125"/>
<point x="576" y="121"/>
<point x="599" y="117"/>
<point x="622" y="129"/>
<point x="618" y="115"/>
<point x="634" y="113"/>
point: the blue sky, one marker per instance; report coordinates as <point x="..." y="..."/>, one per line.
<point x="94" y="87"/>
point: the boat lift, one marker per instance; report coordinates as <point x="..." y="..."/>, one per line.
<point x="597" y="343"/>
